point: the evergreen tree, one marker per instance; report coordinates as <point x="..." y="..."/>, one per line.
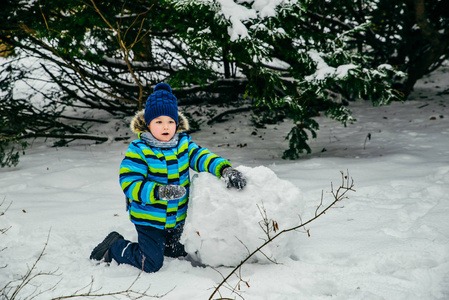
<point x="287" y="58"/>
<point x="293" y="63"/>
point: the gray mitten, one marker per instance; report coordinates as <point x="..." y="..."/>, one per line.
<point x="233" y="178"/>
<point x="170" y="192"/>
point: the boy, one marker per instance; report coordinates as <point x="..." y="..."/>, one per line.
<point x="154" y="176"/>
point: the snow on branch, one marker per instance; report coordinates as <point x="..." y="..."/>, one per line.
<point x="239" y="13"/>
<point x="323" y="70"/>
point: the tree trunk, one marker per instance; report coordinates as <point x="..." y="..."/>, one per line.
<point x="437" y="46"/>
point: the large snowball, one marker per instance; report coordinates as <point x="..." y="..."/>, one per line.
<point x="223" y="225"/>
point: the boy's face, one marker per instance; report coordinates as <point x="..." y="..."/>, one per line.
<point x="163" y="128"/>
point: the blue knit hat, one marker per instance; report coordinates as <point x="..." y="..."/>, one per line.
<point x="161" y="103"/>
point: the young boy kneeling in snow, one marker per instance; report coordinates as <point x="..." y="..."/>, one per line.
<point x="154" y="176"/>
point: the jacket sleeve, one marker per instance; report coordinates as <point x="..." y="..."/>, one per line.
<point x="202" y="160"/>
<point x="133" y="176"/>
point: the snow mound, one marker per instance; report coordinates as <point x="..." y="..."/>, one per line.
<point x="224" y="225"/>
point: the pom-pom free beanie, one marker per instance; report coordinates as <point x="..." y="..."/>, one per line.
<point x="161" y="103"/>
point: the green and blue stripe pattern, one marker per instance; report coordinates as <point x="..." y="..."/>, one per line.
<point x="145" y="167"/>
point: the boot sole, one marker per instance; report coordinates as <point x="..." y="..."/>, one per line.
<point x="100" y="250"/>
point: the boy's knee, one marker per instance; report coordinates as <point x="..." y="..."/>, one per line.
<point x="154" y="265"/>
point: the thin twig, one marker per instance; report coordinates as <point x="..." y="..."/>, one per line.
<point x="340" y="194"/>
<point x="125" y="49"/>
<point x="28" y="276"/>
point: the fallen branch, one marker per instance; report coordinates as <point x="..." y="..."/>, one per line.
<point x="445" y="92"/>
<point x="100" y="139"/>
<point x="219" y="117"/>
<point x="129" y="292"/>
<point x="338" y="195"/>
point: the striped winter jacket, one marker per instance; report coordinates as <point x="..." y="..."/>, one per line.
<point x="144" y="167"/>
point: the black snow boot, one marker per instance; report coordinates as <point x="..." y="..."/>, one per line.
<point x="101" y="251"/>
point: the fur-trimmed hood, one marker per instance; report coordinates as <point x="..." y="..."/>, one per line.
<point x="138" y="124"/>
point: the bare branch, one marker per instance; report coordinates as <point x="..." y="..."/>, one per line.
<point x="11" y="291"/>
<point x="338" y="195"/>
<point x="219" y="117"/>
<point x="321" y="203"/>
<point x="3" y="230"/>
<point x="29" y="275"/>
<point x="125" y="49"/>
<point x="100" y="139"/>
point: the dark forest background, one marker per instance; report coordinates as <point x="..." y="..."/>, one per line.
<point x="108" y="55"/>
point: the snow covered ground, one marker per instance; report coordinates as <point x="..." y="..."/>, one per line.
<point x="389" y="240"/>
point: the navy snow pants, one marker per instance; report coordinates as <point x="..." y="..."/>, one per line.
<point x="148" y="253"/>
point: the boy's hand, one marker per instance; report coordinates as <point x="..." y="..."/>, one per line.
<point x="234" y="178"/>
<point x="171" y="191"/>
